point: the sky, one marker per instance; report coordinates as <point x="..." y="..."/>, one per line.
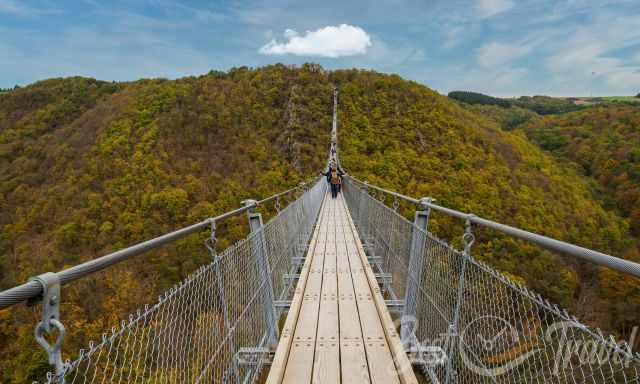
<point x="499" y="47"/>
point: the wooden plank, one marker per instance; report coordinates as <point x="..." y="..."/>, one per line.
<point x="381" y="365"/>
<point x="402" y="363"/>
<point x="354" y="366"/>
<point x="379" y="359"/>
<point x="342" y="331"/>
<point x="300" y="364"/>
<point x="276" y="373"/>
<point x="326" y="368"/>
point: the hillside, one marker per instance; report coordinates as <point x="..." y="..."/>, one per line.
<point x="545" y="105"/>
<point x="603" y="143"/>
<point x="474" y="98"/>
<point x="541" y="105"/>
<point x="508" y="118"/>
<point x="87" y="167"/>
<point x="405" y="137"/>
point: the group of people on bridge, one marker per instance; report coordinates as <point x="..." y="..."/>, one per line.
<point x="334" y="178"/>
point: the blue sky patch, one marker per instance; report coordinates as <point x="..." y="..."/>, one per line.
<point x="500" y="47"/>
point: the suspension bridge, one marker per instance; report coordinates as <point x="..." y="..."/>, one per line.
<point x="342" y="290"/>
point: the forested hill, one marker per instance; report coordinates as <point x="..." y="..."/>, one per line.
<point x="87" y="167"/>
<point x="603" y="143"/>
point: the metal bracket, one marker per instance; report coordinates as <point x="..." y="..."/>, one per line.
<point x="51" y="319"/>
<point x="251" y="357"/>
<point x="396" y="306"/>
<point x="282" y="305"/>
<point x="428" y="359"/>
<point x="428" y="355"/>
<point x="425" y="201"/>
<point x="250" y="202"/>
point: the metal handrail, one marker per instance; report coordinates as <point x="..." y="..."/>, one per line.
<point x="599" y="258"/>
<point x="33" y="289"/>
<point x="284" y="193"/>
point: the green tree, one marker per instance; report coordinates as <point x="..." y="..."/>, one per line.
<point x="88" y="167"/>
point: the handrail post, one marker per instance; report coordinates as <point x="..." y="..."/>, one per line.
<point x="299" y="248"/>
<point x="259" y="246"/>
<point x="364" y="191"/>
<point x="414" y="273"/>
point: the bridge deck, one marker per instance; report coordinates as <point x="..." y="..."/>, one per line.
<point x="338" y="328"/>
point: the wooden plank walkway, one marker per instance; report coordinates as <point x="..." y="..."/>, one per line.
<point x="338" y="329"/>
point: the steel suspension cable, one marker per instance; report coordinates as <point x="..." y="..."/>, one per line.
<point x="595" y="257"/>
<point x="33" y="289"/>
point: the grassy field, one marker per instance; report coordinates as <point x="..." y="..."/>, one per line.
<point x="606" y="100"/>
<point x="624" y="99"/>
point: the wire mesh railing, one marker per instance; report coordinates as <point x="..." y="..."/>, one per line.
<point x="213" y="327"/>
<point x="464" y="322"/>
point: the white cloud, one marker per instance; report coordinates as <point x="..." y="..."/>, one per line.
<point x="330" y="41"/>
<point x="494" y="53"/>
<point x="290" y="34"/>
<point x="488" y="8"/>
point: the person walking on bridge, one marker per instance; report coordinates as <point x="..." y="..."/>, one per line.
<point x="334" y="178"/>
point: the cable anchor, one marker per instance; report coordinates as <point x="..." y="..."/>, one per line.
<point x="51" y="321"/>
<point x="468" y="238"/>
<point x="212" y="240"/>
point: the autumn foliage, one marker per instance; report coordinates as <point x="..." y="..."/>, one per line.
<point x="88" y="167"/>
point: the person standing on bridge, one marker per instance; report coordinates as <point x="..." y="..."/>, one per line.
<point x="334" y="178"/>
